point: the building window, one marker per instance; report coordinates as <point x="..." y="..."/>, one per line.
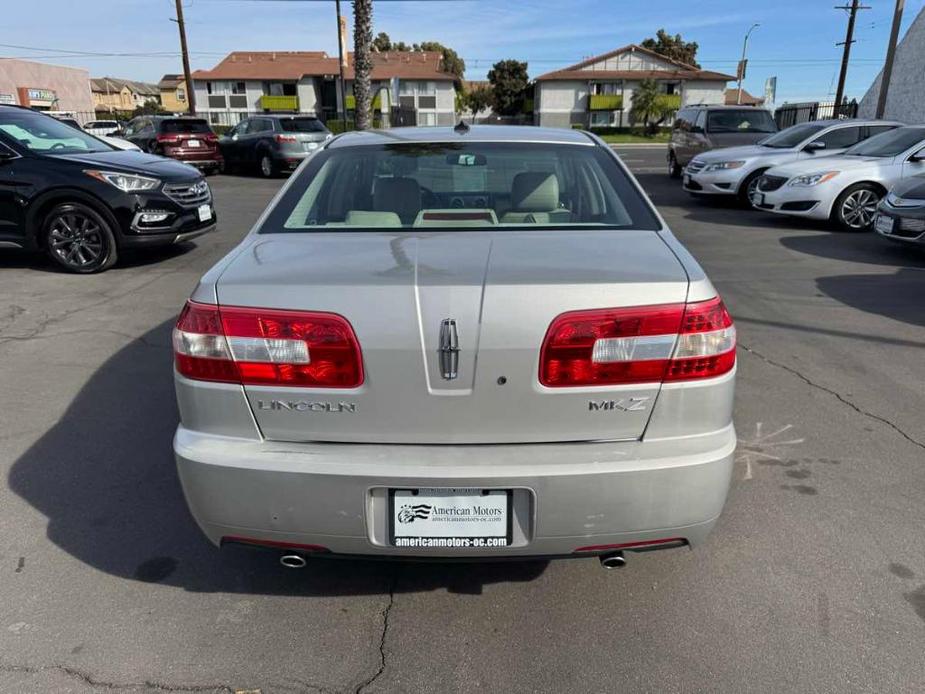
<point x="238" y="88"/>
<point x="406" y="101"/>
<point x="606" y="88"/>
<point x="181" y="94"/>
<point x="427" y="102"/>
<point x="603" y="119"/>
<point x="208" y="87"/>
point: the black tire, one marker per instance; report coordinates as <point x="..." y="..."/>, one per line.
<point x="267" y="166"/>
<point x="152" y="147"/>
<point x="79" y="239"/>
<point x="856" y="208"/>
<point x="745" y="190"/>
<point x="674" y="168"/>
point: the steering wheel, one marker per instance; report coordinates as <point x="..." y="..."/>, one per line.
<point x="59" y="145"/>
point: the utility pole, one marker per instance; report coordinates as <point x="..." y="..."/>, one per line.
<point x="341" y="39"/>
<point x="890" y="55"/>
<point x="742" y="62"/>
<point x="190" y="93"/>
<point x="849" y="39"/>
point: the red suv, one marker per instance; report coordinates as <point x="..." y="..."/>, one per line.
<point x="189" y="140"/>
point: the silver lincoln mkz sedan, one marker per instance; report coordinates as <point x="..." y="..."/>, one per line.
<point x="460" y="342"/>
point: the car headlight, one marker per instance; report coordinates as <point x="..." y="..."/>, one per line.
<point x="813" y="179"/>
<point x="896" y="201"/>
<point x="127" y="183"/>
<point x="724" y="165"/>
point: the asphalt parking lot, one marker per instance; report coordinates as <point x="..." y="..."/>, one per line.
<point x="814" y="580"/>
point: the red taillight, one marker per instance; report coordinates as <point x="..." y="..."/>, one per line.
<point x="286" y="138"/>
<point x="168" y="139"/>
<point x="641" y="344"/>
<point x="257" y="346"/>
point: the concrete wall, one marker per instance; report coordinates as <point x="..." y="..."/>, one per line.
<point x="703" y="93"/>
<point x="906" y="99"/>
<point x="70" y="85"/>
<point x="309" y="96"/>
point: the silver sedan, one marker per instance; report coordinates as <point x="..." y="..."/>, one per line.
<point x="845" y="189"/>
<point x="736" y="170"/>
<point x="457" y="342"/>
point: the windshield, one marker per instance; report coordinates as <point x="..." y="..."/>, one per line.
<point x="302" y="125"/>
<point x="746" y="120"/>
<point x="47" y="135"/>
<point x="792" y="136"/>
<point x="888" y="144"/>
<point x="460" y="186"/>
<point x="184" y="125"/>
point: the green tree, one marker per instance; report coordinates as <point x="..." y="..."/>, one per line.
<point x="509" y="83"/>
<point x="650" y="107"/>
<point x="382" y="43"/>
<point x="362" y="62"/>
<point x="673" y="47"/>
<point x="479" y="99"/>
<point x="450" y="61"/>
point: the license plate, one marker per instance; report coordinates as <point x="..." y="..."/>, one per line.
<point x="311" y="145"/>
<point x="192" y="143"/>
<point x="205" y="213"/>
<point x="441" y="518"/>
<point x="884" y="224"/>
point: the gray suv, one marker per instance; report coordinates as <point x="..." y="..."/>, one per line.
<point x="698" y="129"/>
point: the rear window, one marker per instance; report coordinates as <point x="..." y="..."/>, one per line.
<point x="460" y="186"/>
<point x="185" y="125"/>
<point x="889" y="144"/>
<point x="302" y="125"/>
<point x="740" y="121"/>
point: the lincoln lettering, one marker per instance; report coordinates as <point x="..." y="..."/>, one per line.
<point x="305" y="406"/>
<point x="622" y="405"/>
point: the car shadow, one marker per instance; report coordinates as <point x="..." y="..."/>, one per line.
<point x="866" y="248"/>
<point x="898" y="296"/>
<point x="37" y="260"/>
<point x="104" y="476"/>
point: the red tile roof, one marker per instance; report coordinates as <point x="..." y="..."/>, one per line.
<point x="747" y="99"/>
<point x="680" y="71"/>
<point x="293" y="65"/>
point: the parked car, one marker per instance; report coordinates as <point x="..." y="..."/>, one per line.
<point x="901" y="214"/>
<point x="69" y="194"/>
<point x="102" y="127"/>
<point x="401" y="391"/>
<point x="189" y="140"/>
<point x="272" y="143"/>
<point x="846" y="188"/>
<point x="736" y="170"/>
<point x="698" y="129"/>
<point x="116" y="142"/>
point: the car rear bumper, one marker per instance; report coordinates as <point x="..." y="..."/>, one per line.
<point x="566" y="496"/>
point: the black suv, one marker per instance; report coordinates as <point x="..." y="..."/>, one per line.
<point x="272" y="143"/>
<point x="81" y="201"/>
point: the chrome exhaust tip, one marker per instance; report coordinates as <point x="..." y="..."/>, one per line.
<point x="614" y="560"/>
<point x="293" y="561"/>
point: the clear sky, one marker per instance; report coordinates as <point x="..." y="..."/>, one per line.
<point x="795" y="42"/>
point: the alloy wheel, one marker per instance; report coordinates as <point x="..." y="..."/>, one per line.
<point x="76" y="240"/>
<point x="266" y="166"/>
<point x="859" y="208"/>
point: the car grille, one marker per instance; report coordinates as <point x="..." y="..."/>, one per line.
<point x="770" y="183"/>
<point x="694" y="166"/>
<point x="189" y="195"/>
<point x="910" y="228"/>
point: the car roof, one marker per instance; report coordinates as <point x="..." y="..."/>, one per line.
<point x="473" y="133"/>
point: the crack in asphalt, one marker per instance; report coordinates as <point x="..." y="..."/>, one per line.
<point x="91" y="681"/>
<point x="838" y="396"/>
<point x="385" y="630"/>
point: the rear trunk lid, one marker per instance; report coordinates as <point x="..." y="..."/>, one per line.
<point x="502" y="290"/>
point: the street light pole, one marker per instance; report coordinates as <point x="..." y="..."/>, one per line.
<point x="890" y="55"/>
<point x="741" y="70"/>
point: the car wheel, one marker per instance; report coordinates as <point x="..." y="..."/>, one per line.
<point x="79" y="239"/>
<point x="267" y="166"/>
<point x="674" y="169"/>
<point x="856" y="208"/>
<point x="152" y="147"/>
<point x="749" y="186"/>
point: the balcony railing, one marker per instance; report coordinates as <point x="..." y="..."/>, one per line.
<point x="606" y="102"/>
<point x="669" y="102"/>
<point x="352" y="102"/>
<point x="279" y="103"/>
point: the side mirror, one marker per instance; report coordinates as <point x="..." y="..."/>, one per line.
<point x="814" y="146"/>
<point x="696" y="129"/>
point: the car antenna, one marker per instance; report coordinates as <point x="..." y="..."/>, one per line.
<point x="461" y="127"/>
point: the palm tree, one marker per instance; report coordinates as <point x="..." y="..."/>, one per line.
<point x="362" y="63"/>
<point x="652" y="108"/>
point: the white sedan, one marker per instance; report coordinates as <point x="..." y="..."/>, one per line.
<point x="846" y="188"/>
